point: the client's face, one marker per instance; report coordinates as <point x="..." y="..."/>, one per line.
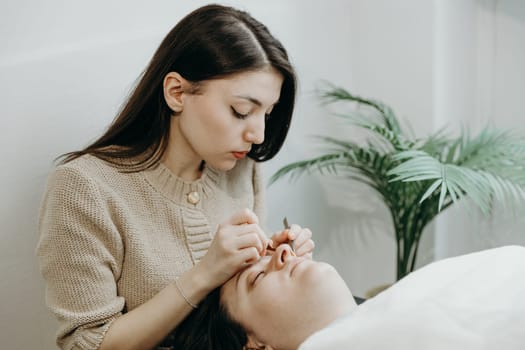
<point x="282" y="299"/>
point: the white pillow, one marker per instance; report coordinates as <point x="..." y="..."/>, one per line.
<point x="474" y="301"/>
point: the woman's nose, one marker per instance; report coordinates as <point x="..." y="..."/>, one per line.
<point x="255" y="131"/>
<point x="280" y="257"/>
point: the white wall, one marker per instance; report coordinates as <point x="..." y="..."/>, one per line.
<point x="479" y="80"/>
<point x="65" y="67"/>
<point x="377" y="49"/>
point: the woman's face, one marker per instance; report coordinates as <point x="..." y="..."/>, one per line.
<point x="282" y="299"/>
<point x="220" y="123"/>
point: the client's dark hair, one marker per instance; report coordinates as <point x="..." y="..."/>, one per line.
<point x="209" y="327"/>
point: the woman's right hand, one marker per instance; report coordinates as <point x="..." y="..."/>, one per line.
<point x="238" y="242"/>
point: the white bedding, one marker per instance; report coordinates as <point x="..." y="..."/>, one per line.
<point x="474" y="301"/>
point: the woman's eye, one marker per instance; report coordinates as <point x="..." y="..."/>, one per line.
<point x="257" y="277"/>
<point x="239" y="115"/>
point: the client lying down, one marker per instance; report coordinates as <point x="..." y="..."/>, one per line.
<point x="475" y="301"/>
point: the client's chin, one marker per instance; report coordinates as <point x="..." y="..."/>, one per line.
<point x="328" y="297"/>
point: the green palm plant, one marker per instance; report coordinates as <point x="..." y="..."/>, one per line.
<point x="419" y="178"/>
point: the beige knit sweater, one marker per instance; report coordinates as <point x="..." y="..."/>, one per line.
<point x="111" y="240"/>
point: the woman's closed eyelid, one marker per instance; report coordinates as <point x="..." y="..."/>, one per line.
<point x="254" y="274"/>
<point x="239" y="114"/>
<point x="252" y="277"/>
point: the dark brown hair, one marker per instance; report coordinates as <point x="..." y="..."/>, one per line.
<point x="211" y="42"/>
<point x="209" y="327"/>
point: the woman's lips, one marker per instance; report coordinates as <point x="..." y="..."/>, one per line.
<point x="239" y="155"/>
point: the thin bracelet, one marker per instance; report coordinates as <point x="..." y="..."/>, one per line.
<point x="184" y="295"/>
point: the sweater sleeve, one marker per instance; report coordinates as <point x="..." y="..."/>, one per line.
<point x="259" y="206"/>
<point x="80" y="253"/>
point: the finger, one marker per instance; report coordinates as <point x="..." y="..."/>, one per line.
<point x="305" y="248"/>
<point x="269" y="252"/>
<point x="303" y="236"/>
<point x="251" y="240"/>
<point x="254" y="228"/>
<point x="244" y="216"/>
<point x="307" y="256"/>
<point x="286" y="235"/>
<point x="249" y="256"/>
<point x="262" y="236"/>
<point x="294" y="231"/>
<point x="279" y="238"/>
<point x="233" y="231"/>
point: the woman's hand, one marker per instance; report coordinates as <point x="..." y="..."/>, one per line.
<point x="238" y="242"/>
<point x="301" y="237"/>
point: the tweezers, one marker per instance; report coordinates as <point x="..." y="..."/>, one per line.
<point x="287" y="227"/>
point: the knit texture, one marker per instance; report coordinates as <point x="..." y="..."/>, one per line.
<point x="109" y="240"/>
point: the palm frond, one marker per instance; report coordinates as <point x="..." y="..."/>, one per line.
<point x="481" y="186"/>
<point x="491" y="148"/>
<point x="418" y="178"/>
<point x="439" y="145"/>
<point x="342" y="145"/>
<point x="365" y="165"/>
<point x="333" y="93"/>
<point x="378" y="130"/>
<point x="326" y="162"/>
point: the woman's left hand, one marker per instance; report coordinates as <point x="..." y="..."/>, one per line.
<point x="301" y="237"/>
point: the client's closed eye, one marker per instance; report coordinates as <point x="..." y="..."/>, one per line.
<point x="259" y="274"/>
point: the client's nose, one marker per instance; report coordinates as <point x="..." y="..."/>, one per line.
<point x="282" y="254"/>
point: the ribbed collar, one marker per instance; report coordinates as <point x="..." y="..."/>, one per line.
<point x="176" y="189"/>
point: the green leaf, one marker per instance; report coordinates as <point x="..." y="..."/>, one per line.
<point x="431" y="189"/>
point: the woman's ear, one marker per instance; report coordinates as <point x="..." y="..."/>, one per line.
<point x="175" y="86"/>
